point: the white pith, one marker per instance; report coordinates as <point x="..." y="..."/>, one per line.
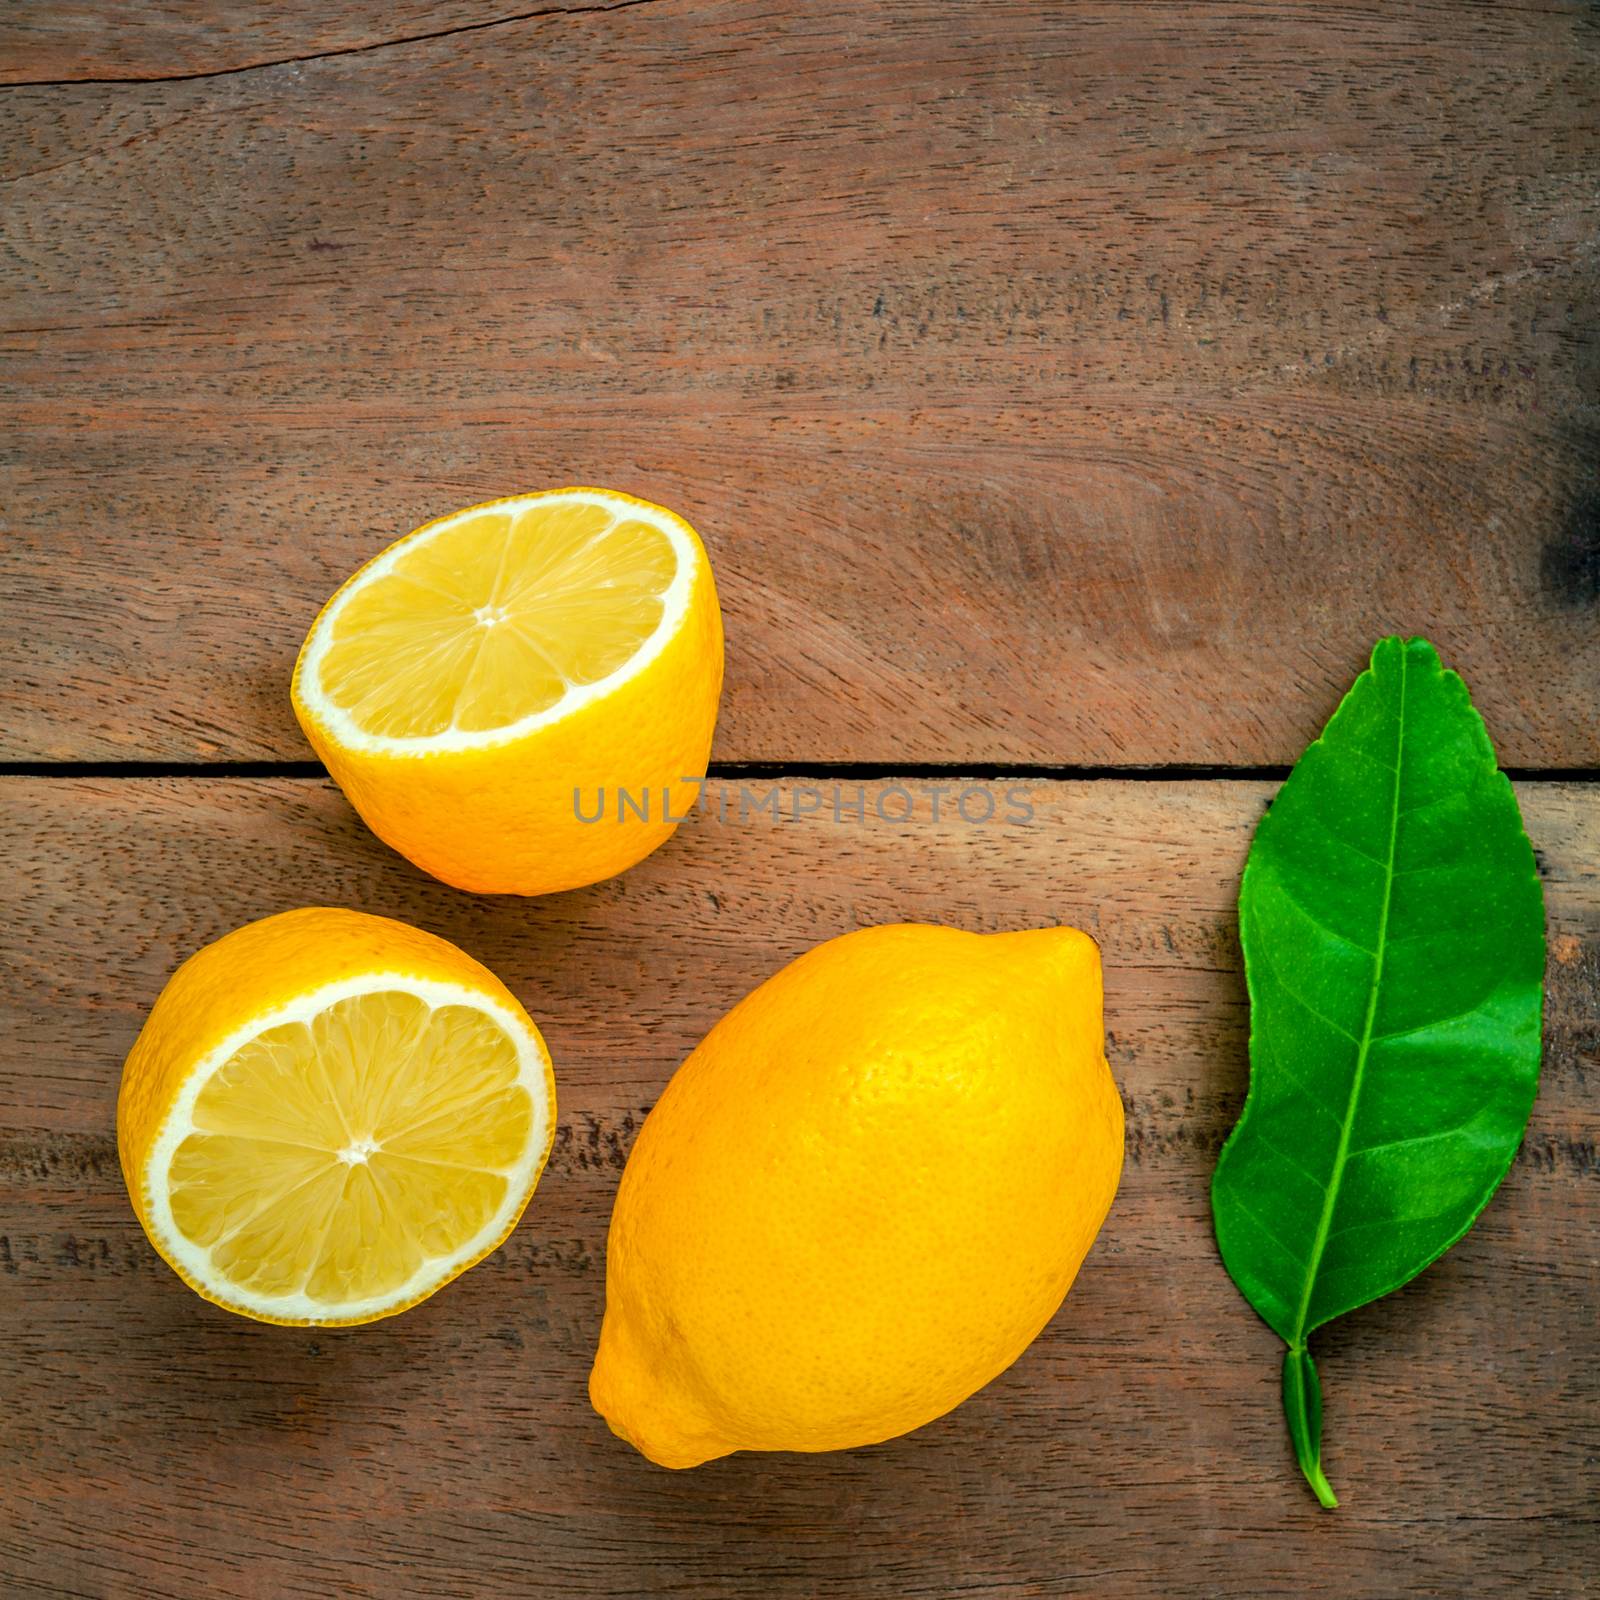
<point x="532" y="1063"/>
<point x="349" y="734"/>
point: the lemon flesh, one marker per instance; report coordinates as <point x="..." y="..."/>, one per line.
<point x="498" y="616"/>
<point x="340" y="1164"/>
<point x="328" y="1115"/>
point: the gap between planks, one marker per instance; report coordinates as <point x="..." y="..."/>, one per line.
<point x="861" y="771"/>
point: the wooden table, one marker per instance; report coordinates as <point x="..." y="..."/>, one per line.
<point x="1069" y="394"/>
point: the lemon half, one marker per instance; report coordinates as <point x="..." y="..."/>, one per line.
<point x="487" y="688"/>
<point x="328" y="1116"/>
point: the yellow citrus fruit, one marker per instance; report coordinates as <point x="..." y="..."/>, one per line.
<point x="862" y="1195"/>
<point x="327" y="1116"/>
<point x="519" y="697"/>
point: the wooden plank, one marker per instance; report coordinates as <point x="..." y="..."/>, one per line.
<point x="156" y="1446"/>
<point x="1057" y="385"/>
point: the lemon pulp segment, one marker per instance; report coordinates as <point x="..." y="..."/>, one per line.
<point x="334" y="1159"/>
<point x="496" y="616"/>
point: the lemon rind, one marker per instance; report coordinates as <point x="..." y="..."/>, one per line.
<point x="347" y="733"/>
<point x="193" y="1262"/>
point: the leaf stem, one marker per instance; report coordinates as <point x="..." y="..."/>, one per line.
<point x="1302" y="1405"/>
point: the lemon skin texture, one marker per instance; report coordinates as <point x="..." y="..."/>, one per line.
<point x="501" y="818"/>
<point x="862" y="1196"/>
<point x="257" y="970"/>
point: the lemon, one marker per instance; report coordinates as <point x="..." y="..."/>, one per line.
<point x="862" y="1196"/>
<point x="329" y="1115"/>
<point x="520" y="697"/>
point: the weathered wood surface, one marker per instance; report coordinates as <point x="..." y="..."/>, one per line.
<point x="1054" y="384"/>
<point x="155" y="1446"/>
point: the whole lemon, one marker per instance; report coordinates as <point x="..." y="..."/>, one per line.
<point x="862" y="1196"/>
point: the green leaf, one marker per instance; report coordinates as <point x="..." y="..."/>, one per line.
<point x="1393" y="931"/>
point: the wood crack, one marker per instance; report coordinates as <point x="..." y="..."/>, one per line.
<point x="328" y="55"/>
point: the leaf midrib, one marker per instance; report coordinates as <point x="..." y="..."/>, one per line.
<point x="1330" y="1198"/>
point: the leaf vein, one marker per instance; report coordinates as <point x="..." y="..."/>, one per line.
<point x="1313" y="1098"/>
<point x="1340" y="840"/>
<point x="1387" y="1223"/>
<point x="1326" y="927"/>
<point x="1293" y="1161"/>
<point x="1306" y="1006"/>
<point x="1418" y="1138"/>
<point x="1330" y="1198"/>
<point x="1266" y="1231"/>
<point x="1432" y="1022"/>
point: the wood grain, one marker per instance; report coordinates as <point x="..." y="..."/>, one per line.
<point x="1059" y="385"/>
<point x="155" y="1446"/>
